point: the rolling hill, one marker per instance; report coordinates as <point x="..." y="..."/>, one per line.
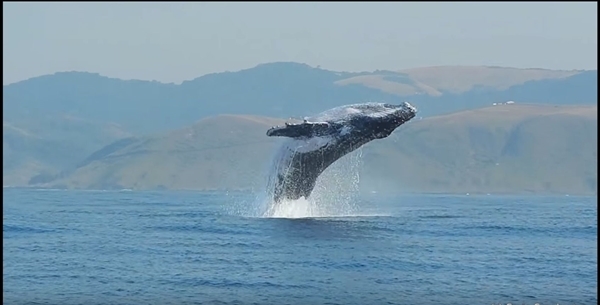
<point x="436" y="81"/>
<point x="53" y="122"/>
<point x="284" y="90"/>
<point x="38" y="148"/>
<point x="217" y="152"/>
<point x="497" y="149"/>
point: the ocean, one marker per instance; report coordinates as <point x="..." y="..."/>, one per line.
<point x="135" y="247"/>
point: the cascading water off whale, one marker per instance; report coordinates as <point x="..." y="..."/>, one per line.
<point x="319" y="141"/>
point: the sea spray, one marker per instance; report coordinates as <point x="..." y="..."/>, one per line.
<point x="334" y="193"/>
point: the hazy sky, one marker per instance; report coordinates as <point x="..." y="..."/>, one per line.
<point x="172" y="42"/>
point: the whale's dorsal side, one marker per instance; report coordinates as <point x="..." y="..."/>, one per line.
<point x="304" y="129"/>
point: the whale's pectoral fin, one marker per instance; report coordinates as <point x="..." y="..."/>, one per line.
<point x="305" y="129"/>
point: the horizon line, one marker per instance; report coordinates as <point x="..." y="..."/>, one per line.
<point x="291" y="62"/>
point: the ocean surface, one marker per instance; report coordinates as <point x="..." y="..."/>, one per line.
<point x="127" y="247"/>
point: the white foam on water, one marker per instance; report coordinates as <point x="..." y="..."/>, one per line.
<point x="300" y="208"/>
<point x="303" y="208"/>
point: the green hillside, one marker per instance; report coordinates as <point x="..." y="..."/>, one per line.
<point x="226" y="151"/>
<point x="506" y="148"/>
<point x="53" y="122"/>
<point x="38" y="148"/>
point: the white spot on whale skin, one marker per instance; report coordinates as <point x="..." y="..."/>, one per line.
<point x="381" y="114"/>
<point x="351" y="110"/>
<point x="345" y="130"/>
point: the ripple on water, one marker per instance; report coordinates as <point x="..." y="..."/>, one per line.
<point x="81" y="247"/>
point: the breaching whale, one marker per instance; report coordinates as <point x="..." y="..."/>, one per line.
<point x="319" y="141"/>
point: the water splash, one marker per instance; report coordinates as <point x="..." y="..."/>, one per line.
<point x="334" y="194"/>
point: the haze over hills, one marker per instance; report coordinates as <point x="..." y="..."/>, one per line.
<point x="83" y="130"/>
<point x="284" y="90"/>
<point x="52" y="144"/>
<point x="498" y="149"/>
<point x="221" y="152"/>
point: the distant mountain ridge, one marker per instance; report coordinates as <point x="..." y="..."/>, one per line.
<point x="54" y="124"/>
<point x="284" y="90"/>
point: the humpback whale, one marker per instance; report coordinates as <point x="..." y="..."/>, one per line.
<point x="319" y="141"/>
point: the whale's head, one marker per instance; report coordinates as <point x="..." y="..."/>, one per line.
<point x="368" y="121"/>
<point x="379" y="120"/>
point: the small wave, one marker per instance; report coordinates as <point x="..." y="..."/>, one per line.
<point x="440" y="217"/>
<point x="22" y="229"/>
